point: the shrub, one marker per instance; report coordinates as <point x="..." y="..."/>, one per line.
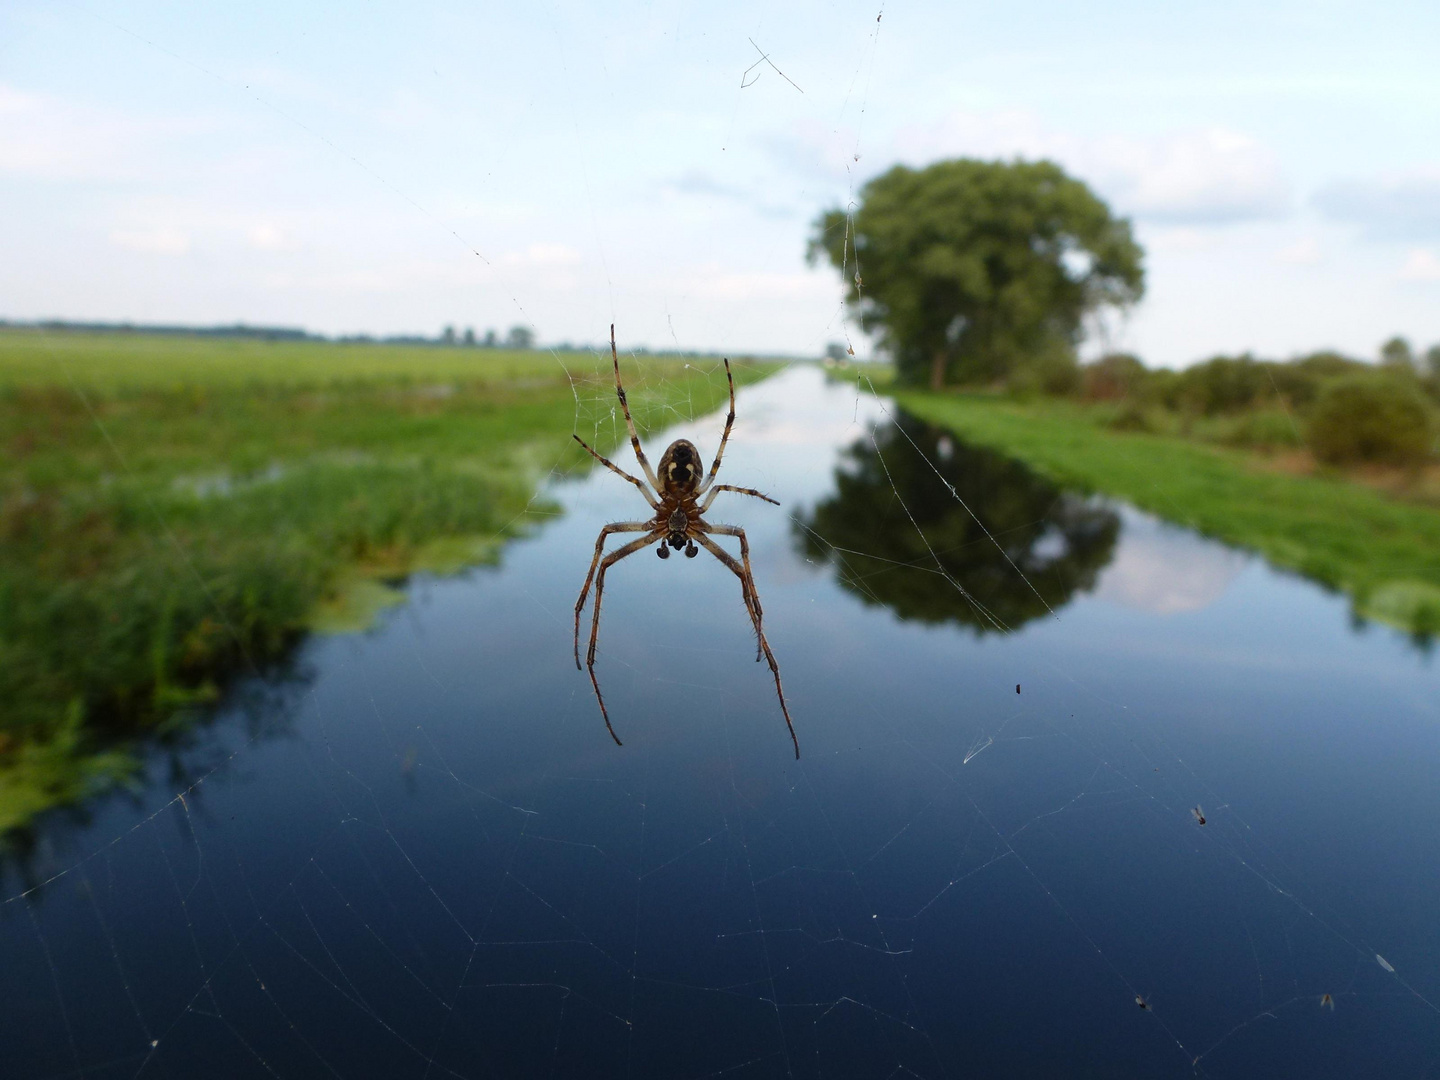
<point x="1297" y="383"/>
<point x="1397" y="356"/>
<point x="1222" y="384"/>
<point x="1370" y="419"/>
<point x="1160" y="387"/>
<point x="1131" y="416"/>
<point x="1113" y="377"/>
<point x="1262" y="429"/>
<point x="1327" y="364"/>
<point x="1432" y="372"/>
<point x="1050" y="368"/>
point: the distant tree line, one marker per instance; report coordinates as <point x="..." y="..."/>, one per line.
<point x="1344" y="410"/>
<point x="235" y="330"/>
<point x="518" y="337"/>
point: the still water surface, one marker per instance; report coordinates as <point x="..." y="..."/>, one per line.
<point x="421" y="855"/>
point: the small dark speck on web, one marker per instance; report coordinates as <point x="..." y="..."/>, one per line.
<point x="1017" y="688"/>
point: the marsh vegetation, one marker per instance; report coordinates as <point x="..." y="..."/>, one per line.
<point x="175" y="511"/>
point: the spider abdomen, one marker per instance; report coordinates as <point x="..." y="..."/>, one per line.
<point x="680" y="469"/>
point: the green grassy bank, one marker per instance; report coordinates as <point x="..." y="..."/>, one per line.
<point x="1383" y="552"/>
<point x="175" y="511"/>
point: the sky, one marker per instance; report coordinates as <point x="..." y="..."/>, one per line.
<point x="390" y="167"/>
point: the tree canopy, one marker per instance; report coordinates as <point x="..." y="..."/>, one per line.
<point x="977" y="271"/>
<point x="1397" y="355"/>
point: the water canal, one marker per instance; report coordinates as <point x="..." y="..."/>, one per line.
<point x="419" y="854"/>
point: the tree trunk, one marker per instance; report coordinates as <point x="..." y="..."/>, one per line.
<point x="937" y="370"/>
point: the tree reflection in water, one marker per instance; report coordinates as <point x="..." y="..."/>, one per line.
<point x="1057" y="539"/>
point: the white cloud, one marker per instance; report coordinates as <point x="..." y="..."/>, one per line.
<point x="1165" y="571"/>
<point x="696" y="183"/>
<point x="408" y="111"/>
<point x="1394" y="206"/>
<point x="1304" y="252"/>
<point x="542" y="255"/>
<point x="49" y="138"/>
<point x="717" y="283"/>
<point x="1420" y="265"/>
<point x="268" y="237"/>
<point x="815" y="151"/>
<point x="165" y="240"/>
<point x="1209" y="176"/>
<point x="391" y="277"/>
<point x="1199" y="177"/>
<point x="41" y="137"/>
<point x="1177" y="238"/>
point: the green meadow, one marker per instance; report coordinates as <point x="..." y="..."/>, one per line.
<point x="177" y="511"/>
<point x="1381" y="549"/>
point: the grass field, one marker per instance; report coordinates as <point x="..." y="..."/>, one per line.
<point x="1383" y="551"/>
<point x="176" y="511"/>
<point x="107" y="363"/>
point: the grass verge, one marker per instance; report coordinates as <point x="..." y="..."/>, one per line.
<point x="1384" y="553"/>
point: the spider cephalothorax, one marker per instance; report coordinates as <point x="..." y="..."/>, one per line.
<point x="679" y="497"/>
<point x="677" y="527"/>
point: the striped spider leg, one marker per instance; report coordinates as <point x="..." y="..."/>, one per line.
<point x="674" y="493"/>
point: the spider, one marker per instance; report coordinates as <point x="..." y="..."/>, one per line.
<point x="678" y="522"/>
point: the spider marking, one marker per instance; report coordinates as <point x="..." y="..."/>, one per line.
<point x="675" y="493"/>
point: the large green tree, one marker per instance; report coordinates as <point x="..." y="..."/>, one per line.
<point x="978" y="271"/>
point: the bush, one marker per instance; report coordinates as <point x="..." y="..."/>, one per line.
<point x="1262" y="429"/>
<point x="1221" y="384"/>
<point x="1049" y="367"/>
<point x="1370" y="419"/>
<point x="1432" y="372"/>
<point x="1131" y="416"/>
<point x="1327" y="364"/>
<point x="1298" y="382"/>
<point x="1113" y="377"/>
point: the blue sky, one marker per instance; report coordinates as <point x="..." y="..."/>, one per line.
<point x="340" y="166"/>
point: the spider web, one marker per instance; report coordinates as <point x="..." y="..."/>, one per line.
<point x="439" y="870"/>
<point x="421" y="855"/>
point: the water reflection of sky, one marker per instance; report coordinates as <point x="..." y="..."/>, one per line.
<point x="443" y="866"/>
<point x="1166" y="570"/>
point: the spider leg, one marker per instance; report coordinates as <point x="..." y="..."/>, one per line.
<point x="629" y="423"/>
<point x="748" y="581"/>
<point x="608" y="530"/>
<point x="752" y="602"/>
<point x="617" y="470"/>
<point x="610" y="560"/>
<point x="738" y="490"/>
<point x="729" y="423"/>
